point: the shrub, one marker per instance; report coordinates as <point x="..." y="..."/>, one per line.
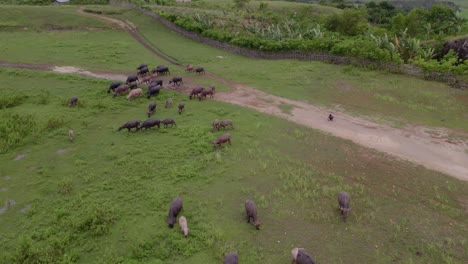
<point x="15" y="130"/>
<point x="98" y="220"/>
<point x="11" y="100"/>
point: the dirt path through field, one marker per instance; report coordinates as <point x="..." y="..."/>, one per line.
<point x="431" y="148"/>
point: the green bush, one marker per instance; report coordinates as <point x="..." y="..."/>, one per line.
<point x="98" y="220"/>
<point x="16" y="130"/>
<point x="359" y="47"/>
<point x="11" y="100"/>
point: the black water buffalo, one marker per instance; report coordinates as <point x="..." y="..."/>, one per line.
<point x="143" y="71"/>
<point x="131" y="79"/>
<point x="142" y="66"/>
<point x="113" y="86"/>
<point x="176" y="80"/>
<point x="174" y="210"/>
<point x="231" y="258"/>
<point x="200" y="70"/>
<point x="150" y="123"/>
<point x="303" y="258"/>
<point x="168" y="121"/>
<point x="130" y="124"/>
<point x="181" y="107"/>
<point x="343" y="201"/>
<point x="251" y="212"/>
<point x="151" y="108"/>
<point x="154" y="90"/>
<point x="73" y="101"/>
<point x="158" y="82"/>
<point x="161" y="69"/>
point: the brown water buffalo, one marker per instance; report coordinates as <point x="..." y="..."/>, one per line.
<point x="181" y="107"/>
<point x="168" y="103"/>
<point x="150" y="123"/>
<point x="177" y="80"/>
<point x="231" y="258"/>
<point x="204" y="93"/>
<point x="146" y="79"/>
<point x="73" y="101"/>
<point x="169" y="121"/>
<point x="214" y="125"/>
<point x="195" y="92"/>
<point x="151" y="108"/>
<point x="121" y="90"/>
<point x="189" y="68"/>
<point x="343" y="201"/>
<point x="200" y="70"/>
<point x="223" y="124"/>
<point x="113" y="86"/>
<point x="174" y="210"/>
<point x="251" y="212"/>
<point x="222" y="139"/>
<point x="130" y="124"/>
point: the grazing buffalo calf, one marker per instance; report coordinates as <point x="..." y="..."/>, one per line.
<point x="168" y="121"/>
<point x="113" y="86"/>
<point x="134" y="93"/>
<point x="130" y="124"/>
<point x="157" y="82"/>
<point x="195" y="92"/>
<point x="200" y="70"/>
<point x="121" y="90"/>
<point x="343" y="201"/>
<point x="71" y="135"/>
<point x="303" y="258"/>
<point x="168" y="103"/>
<point x="231" y="258"/>
<point x="189" y="68"/>
<point x="150" y="123"/>
<point x="154" y="90"/>
<point x="177" y="80"/>
<point x="214" y="125"/>
<point x="183" y="225"/>
<point x="174" y="210"/>
<point x="181" y="107"/>
<point x="73" y="101"/>
<point x="131" y="79"/>
<point x="223" y="124"/>
<point x="251" y="211"/>
<point x="151" y="108"/>
<point x="222" y="139"/>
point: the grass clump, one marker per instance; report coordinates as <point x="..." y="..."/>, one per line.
<point x="11" y="100"/>
<point x="16" y="130"/>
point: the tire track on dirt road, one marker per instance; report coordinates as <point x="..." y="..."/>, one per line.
<point x="416" y="144"/>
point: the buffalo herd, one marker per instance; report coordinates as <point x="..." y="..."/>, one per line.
<point x="154" y="86"/>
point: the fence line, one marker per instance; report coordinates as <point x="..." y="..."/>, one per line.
<point x="408" y="69"/>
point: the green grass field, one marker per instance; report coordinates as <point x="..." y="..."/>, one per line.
<point x="104" y="197"/>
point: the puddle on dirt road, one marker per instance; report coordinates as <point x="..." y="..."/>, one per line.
<point x="7" y="205"/>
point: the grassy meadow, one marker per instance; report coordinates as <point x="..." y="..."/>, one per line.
<point x="104" y="198"/>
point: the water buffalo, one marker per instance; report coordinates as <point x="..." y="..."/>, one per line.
<point x="121" y="90"/>
<point x="183" y="225"/>
<point x="152" y="91"/>
<point x="303" y="258"/>
<point x="131" y="79"/>
<point x="133" y="86"/>
<point x="174" y="210"/>
<point x="251" y="212"/>
<point x="71" y="135"/>
<point x="161" y="69"/>
<point x="343" y="201"/>
<point x="73" y="101"/>
<point x="143" y="71"/>
<point x="168" y="102"/>
<point x="142" y="66"/>
<point x="151" y="108"/>
<point x="294" y="253"/>
<point x="181" y="107"/>
<point x="214" y="125"/>
<point x="113" y="86"/>
<point x="222" y="139"/>
<point x="200" y="70"/>
<point x="195" y="91"/>
<point x="146" y="79"/>
<point x="176" y="80"/>
<point x="204" y="93"/>
<point x="130" y="124"/>
<point x="223" y="124"/>
<point x="157" y="82"/>
<point x="149" y="123"/>
<point x="231" y="258"/>
<point x="168" y="121"/>
<point x="134" y="93"/>
<point x="189" y="68"/>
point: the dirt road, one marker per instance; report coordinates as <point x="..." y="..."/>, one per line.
<point x="428" y="147"/>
